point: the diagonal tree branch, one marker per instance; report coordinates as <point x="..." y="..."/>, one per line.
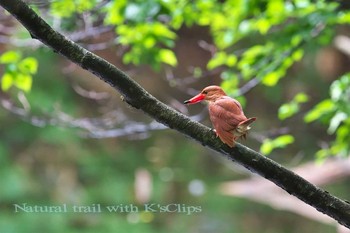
<point x="139" y="98"/>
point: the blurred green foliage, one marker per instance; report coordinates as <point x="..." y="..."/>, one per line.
<point x="289" y="109"/>
<point x="269" y="145"/>
<point x="253" y="40"/>
<point x="66" y="8"/>
<point x="18" y="71"/>
<point x="335" y="112"/>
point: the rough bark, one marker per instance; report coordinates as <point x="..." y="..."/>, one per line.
<point x="139" y="98"/>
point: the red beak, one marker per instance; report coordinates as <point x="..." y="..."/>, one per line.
<point x="195" y="99"/>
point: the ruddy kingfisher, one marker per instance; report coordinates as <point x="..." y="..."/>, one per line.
<point x="226" y="114"/>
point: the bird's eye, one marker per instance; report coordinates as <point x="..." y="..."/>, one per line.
<point x="204" y="92"/>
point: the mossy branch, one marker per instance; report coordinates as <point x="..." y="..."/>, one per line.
<point x="139" y="98"/>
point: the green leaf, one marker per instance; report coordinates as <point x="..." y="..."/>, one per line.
<point x="282" y="141"/>
<point x="149" y="42"/>
<point x="28" y="65"/>
<point x="298" y="54"/>
<point x="263" y="25"/>
<point x="63" y="8"/>
<point x="140" y="12"/>
<point x="85" y="5"/>
<point x="322" y="108"/>
<point x="6" y="81"/>
<point x="167" y="56"/>
<point x="301" y="98"/>
<point x="336" y="90"/>
<point x="114" y="13"/>
<point x="275" y="8"/>
<point x="322" y="155"/>
<point x="291" y="108"/>
<point x="254" y="51"/>
<point x="23" y="82"/>
<point x="218" y="60"/>
<point x="10" y="57"/>
<point x="287" y="110"/>
<point x="231" y="60"/>
<point x="266" y="147"/>
<point x="271" y="79"/>
<point x="230" y="83"/>
<point x="344" y="18"/>
<point x="161" y="30"/>
<point x="296" y="40"/>
<point x="336" y="120"/>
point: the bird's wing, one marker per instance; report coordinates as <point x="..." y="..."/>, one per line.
<point x="226" y="136"/>
<point x="225" y="114"/>
<point x="227" y="111"/>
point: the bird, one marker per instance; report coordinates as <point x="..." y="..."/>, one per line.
<point x="226" y="114"/>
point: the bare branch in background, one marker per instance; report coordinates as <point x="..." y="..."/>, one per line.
<point x="81" y="35"/>
<point x="113" y="124"/>
<point x="90" y="94"/>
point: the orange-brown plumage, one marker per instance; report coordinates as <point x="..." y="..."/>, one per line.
<point x="225" y="113"/>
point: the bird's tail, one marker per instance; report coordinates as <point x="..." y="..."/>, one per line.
<point x="243" y="127"/>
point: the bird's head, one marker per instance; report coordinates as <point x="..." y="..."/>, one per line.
<point x="210" y="93"/>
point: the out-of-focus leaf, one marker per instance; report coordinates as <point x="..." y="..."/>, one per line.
<point x="85" y="5"/>
<point x="114" y="14"/>
<point x="10" y="57"/>
<point x="336" y="120"/>
<point x="6" y="81"/>
<point x="301" y="98"/>
<point x="263" y="25"/>
<point x="161" y="30"/>
<point x="296" y="40"/>
<point x="275" y="8"/>
<point x="322" y="155"/>
<point x="271" y="79"/>
<point x="63" y="8"/>
<point x="254" y="51"/>
<point x="336" y="90"/>
<point x="324" y="107"/>
<point x="149" y="42"/>
<point x="336" y="113"/>
<point x="266" y="147"/>
<point x="18" y="72"/>
<point x="28" y="65"/>
<point x="282" y="141"/>
<point x="66" y="8"/>
<point x="231" y="60"/>
<point x="344" y="18"/>
<point x="230" y="83"/>
<point x="23" y="82"/>
<point x="287" y="110"/>
<point x="218" y="60"/>
<point x="167" y="56"/>
<point x="298" y="54"/>
<point x="141" y="11"/>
